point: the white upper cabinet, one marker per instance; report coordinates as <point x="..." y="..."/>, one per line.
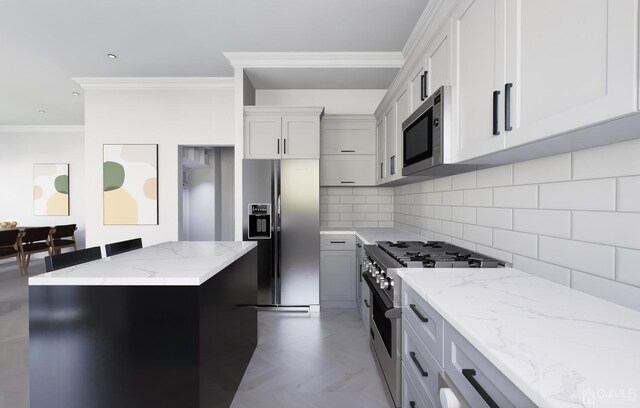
<point x="281" y="133"/>
<point x="380" y="151"/>
<point x="438" y="60"/>
<point x="571" y="63"/>
<point x="417" y="84"/>
<point x="402" y="113"/>
<point x="478" y="33"/>
<point x="390" y="142"/>
<point x="347" y="134"/>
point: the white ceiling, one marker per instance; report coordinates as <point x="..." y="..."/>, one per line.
<point x="43" y="43"/>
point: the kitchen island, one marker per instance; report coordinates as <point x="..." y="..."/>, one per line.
<point x="164" y="326"/>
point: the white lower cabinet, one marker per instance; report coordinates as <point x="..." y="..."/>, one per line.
<point x="337" y="283"/>
<point x="421" y="367"/>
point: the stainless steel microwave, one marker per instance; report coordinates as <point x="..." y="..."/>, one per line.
<point x="425" y="134"/>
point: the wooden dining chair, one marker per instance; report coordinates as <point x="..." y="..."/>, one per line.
<point x="55" y="262"/>
<point x="33" y="240"/>
<point x="63" y="236"/>
<point x="116" y="248"/>
<point x="9" y="241"/>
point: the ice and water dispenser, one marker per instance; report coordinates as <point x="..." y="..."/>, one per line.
<point x="259" y="221"/>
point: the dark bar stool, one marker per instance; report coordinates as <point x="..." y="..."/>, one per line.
<point x="63" y="236"/>
<point x="55" y="262"/>
<point x="116" y="248"/>
<point x="9" y="241"/>
<point x="33" y="240"/>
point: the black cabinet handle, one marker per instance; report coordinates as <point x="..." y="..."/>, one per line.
<point x="417" y="363"/>
<point x="425" y="85"/>
<point x="496" y="94"/>
<point x="469" y="374"/>
<point x="285" y="146"/>
<point x="366" y="303"/>
<point x="338" y="242"/>
<point x="347" y="151"/>
<point x="422" y="82"/>
<point x="359" y="245"/>
<point x="412" y="404"/>
<point x="381" y="170"/>
<point x="507" y="106"/>
<point x="393" y="164"/>
<point x="347" y="182"/>
<point x="278" y="143"/>
<point x="417" y="312"/>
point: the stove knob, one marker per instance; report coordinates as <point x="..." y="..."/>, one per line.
<point x="391" y="284"/>
<point x="375" y="271"/>
<point x="386" y="283"/>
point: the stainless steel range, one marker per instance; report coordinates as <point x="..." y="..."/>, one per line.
<point x="380" y="264"/>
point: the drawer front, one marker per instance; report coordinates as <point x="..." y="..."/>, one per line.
<point x="365" y="306"/>
<point x="421" y="365"/>
<point x="347" y="135"/>
<point x="347" y="170"/>
<point x="410" y="396"/>
<point x="337" y="242"/>
<point x="474" y="376"/>
<point x="425" y="320"/>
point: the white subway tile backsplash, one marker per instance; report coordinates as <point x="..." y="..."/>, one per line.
<point x="426" y="186"/>
<point x="544" y="270"/>
<point x="339" y="208"/>
<point x="465" y="215"/>
<point x="366" y="224"/>
<point x="365" y="208"/>
<point x="352" y="216"/>
<point x="453" y="229"/>
<point x="420" y="198"/>
<point x="385" y="224"/>
<point x="427" y="211"/>
<point x="579" y="195"/>
<point x="516" y="196"/>
<point x="495" y="253"/>
<point x="365" y="191"/>
<point x="478" y="198"/>
<point x="327" y="199"/>
<point x="495" y="217"/>
<point x="477" y="234"/>
<point x="452" y="198"/>
<point x="383" y="191"/>
<point x="464" y="244"/>
<point x="629" y="194"/>
<point x="385" y="208"/>
<point x="464" y="181"/>
<point x="378" y="216"/>
<point x="582" y="256"/>
<point x="442" y="237"/>
<point x="620" y="159"/>
<point x="434" y="225"/>
<point x="442" y="213"/>
<point x="434" y="198"/>
<point x="628" y="266"/>
<point x="442" y="184"/>
<point x="545" y="170"/>
<point x="617" y="292"/>
<point x="543" y="222"/>
<point x="378" y="199"/>
<point x="325" y="216"/>
<point x="516" y="242"/>
<point x="341" y="191"/>
<point x="619" y="229"/>
<point x="420" y="222"/>
<point x="351" y="199"/>
<point x="495" y="176"/>
<point x="339" y="224"/>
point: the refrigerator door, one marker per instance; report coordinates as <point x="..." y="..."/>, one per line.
<point x="299" y="232"/>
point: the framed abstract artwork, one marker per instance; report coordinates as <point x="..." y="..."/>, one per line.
<point x="130" y="184"/>
<point x="51" y="189"/>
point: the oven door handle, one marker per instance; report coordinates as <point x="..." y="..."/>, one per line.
<point x="390" y="312"/>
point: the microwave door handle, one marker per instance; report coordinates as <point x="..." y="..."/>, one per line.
<point x="496" y="94"/>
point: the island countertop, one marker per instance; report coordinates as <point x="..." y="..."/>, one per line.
<point x="559" y="346"/>
<point x="183" y="263"/>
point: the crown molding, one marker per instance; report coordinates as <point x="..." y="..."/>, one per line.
<point x="41" y="128"/>
<point x="315" y="59"/>
<point x="419" y="29"/>
<point x="158" y="83"/>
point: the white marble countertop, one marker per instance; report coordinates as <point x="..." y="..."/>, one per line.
<point x="168" y="264"/>
<point x="560" y="347"/>
<point x="371" y="235"/>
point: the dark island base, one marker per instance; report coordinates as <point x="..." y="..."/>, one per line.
<point x="143" y="346"/>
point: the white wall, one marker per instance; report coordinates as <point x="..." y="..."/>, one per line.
<point x="167" y="117"/>
<point x="335" y="101"/>
<point x="19" y="151"/>
<point x="572" y="218"/>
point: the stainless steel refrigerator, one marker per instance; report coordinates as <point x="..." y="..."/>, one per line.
<point x="289" y="251"/>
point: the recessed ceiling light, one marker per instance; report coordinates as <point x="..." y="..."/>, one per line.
<point x="112" y="56"/>
<point x="42" y="111"/>
<point x="74" y="93"/>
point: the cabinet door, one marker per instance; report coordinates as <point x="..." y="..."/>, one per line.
<point x="336" y="275"/>
<point x="439" y="60"/>
<point x="478" y="34"/>
<point x="390" y="142"/>
<point x="348" y="135"/>
<point x="380" y="153"/>
<point x="300" y="137"/>
<point x="571" y="64"/>
<point x="402" y="113"/>
<point x="262" y="137"/>
<point x="416" y="85"/>
<point x="343" y="170"/>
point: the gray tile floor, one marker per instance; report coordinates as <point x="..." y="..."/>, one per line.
<point x="317" y="360"/>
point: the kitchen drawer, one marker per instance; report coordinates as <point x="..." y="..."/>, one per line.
<point x="483" y="377"/>
<point x="425" y="320"/>
<point x="337" y="242"/>
<point x="410" y="396"/>
<point x="422" y="367"/>
<point x="341" y="134"/>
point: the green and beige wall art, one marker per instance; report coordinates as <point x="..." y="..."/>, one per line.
<point x="50" y="189"/>
<point x="130" y="184"/>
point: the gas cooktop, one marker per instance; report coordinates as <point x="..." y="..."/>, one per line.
<point x="436" y="254"/>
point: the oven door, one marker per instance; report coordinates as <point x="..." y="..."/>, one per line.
<point x="385" y="332"/>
